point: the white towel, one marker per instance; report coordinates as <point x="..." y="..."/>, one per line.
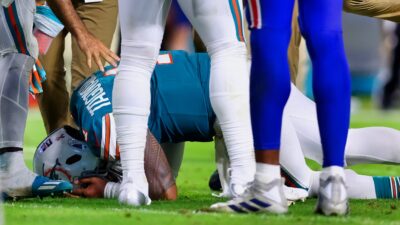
<point x="47" y="21"/>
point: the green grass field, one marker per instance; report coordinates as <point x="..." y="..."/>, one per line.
<point x="194" y="195"/>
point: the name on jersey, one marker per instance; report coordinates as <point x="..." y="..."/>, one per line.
<point x="94" y="96"/>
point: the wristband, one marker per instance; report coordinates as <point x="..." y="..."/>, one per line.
<point x="111" y="190"/>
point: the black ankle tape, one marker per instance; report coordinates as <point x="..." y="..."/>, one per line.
<point x="10" y="149"/>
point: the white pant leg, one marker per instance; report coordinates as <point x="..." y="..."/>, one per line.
<point x="364" y="145"/>
<point x="142" y="28"/>
<point x="359" y="186"/>
<point x="373" y="145"/>
<point x="14" y="91"/>
<point x="25" y="10"/>
<point x="301" y="111"/>
<point x="229" y="78"/>
<point x="291" y="156"/>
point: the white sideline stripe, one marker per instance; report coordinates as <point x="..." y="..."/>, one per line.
<point x="46" y="187"/>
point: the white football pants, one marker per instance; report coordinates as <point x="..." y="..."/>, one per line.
<point x="14" y="71"/>
<point x="220" y="27"/>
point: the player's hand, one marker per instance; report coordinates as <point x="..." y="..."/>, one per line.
<point x="91" y="187"/>
<point x="94" y="50"/>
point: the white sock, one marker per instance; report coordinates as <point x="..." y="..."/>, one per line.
<point x="131" y="108"/>
<point x="266" y="173"/>
<point x="229" y="95"/>
<point x="16" y="178"/>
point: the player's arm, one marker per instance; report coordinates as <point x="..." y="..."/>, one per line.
<point x="388" y="9"/>
<point x="93" y="48"/>
<point x="159" y="175"/>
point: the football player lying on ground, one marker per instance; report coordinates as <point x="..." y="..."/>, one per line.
<point x="176" y="118"/>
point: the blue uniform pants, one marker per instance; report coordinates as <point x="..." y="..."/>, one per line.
<point x="321" y="26"/>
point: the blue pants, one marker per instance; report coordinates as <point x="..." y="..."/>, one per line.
<point x="321" y="26"/>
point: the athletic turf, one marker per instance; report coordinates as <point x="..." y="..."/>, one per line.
<point x="194" y="195"/>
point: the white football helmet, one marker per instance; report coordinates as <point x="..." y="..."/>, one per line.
<point x="63" y="155"/>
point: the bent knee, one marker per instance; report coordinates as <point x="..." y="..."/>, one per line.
<point x="139" y="54"/>
<point x="227" y="48"/>
<point x="171" y="194"/>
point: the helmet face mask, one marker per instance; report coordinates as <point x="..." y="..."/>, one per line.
<point x="63" y="155"/>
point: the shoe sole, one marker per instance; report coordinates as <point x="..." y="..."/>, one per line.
<point x="52" y="194"/>
<point x="273" y="209"/>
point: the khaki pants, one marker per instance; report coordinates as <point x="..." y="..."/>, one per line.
<point x="382" y="9"/>
<point x="100" y="19"/>
<point x="294" y="47"/>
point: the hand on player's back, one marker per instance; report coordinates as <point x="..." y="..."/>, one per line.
<point x="90" y="187"/>
<point x="94" y="50"/>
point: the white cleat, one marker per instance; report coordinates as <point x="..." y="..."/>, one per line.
<point x="131" y="195"/>
<point x="294" y="194"/>
<point x="332" y="196"/>
<point x="260" y="198"/>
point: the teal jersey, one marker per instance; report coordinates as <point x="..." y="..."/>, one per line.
<point x="180" y="103"/>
